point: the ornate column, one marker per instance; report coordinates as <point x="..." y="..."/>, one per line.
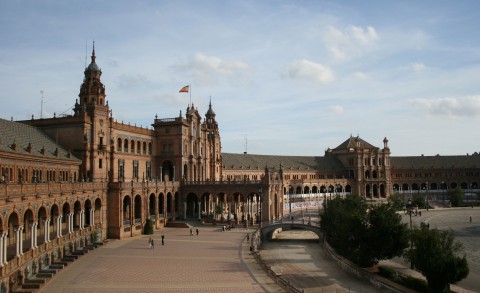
<point x="59" y="226"/>
<point x="3" y="257"/>
<point x="32" y="235"/>
<point x="46" y="230"/>
<point x="70" y="223"/>
<point x="92" y="217"/>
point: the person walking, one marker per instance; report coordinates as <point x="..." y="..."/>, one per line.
<point x="152" y="244"/>
<point x="196" y="230"/>
<point x="191" y="232"/>
<point x="163" y="239"/>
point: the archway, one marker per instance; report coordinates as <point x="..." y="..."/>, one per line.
<point x="54" y="214"/>
<point x="41" y="218"/>
<point x="27" y="231"/>
<point x="13" y="226"/>
<point x="127" y="205"/>
<point x="65" y="215"/>
<point x="167" y="171"/>
<point x="192" y="205"/>
<point x="138" y="209"/>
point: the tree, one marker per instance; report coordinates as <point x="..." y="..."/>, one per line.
<point x="396" y="200"/>
<point x="361" y="234"/>
<point x="418" y="200"/>
<point x="435" y="254"/>
<point x="456" y="196"/>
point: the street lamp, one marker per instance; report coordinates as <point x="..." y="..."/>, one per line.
<point x="260" y="198"/>
<point x="410" y="211"/>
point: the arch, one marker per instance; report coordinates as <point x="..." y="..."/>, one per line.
<point x="77" y="209"/>
<point x="464" y="185"/>
<point x="367" y="174"/>
<point x="98" y="211"/>
<point x="27" y="232"/>
<point x="151" y="207"/>
<point x="125" y="146"/>
<point x="176" y="203"/>
<point x="88" y="211"/>
<point x="167" y="171"/>
<point x="41" y="218"/>
<point x="368" y="191"/>
<point x="374" y="174"/>
<point x="453" y="185"/>
<point x="54" y="214"/>
<point x="132" y="146"/>
<point x="348" y="188"/>
<point x="382" y="191"/>
<point x="13" y="225"/>
<point x="161" y="204"/>
<point x="306" y="190"/>
<point x="267" y="231"/>
<point x="298" y="190"/>
<point x="119" y="144"/>
<point x="375" y="190"/>
<point x="396" y="187"/>
<point x="314" y="189"/>
<point x="415" y="186"/>
<point x="405" y="187"/>
<point x="126" y="210"/>
<point x="474" y="185"/>
<point x="433" y="186"/>
<point x="192" y="205"/>
<point x="65" y="215"/>
<point x="138" y="209"/>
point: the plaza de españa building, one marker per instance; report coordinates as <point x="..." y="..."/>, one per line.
<point x="72" y="181"/>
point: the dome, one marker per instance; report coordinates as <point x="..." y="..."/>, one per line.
<point x="93" y="66"/>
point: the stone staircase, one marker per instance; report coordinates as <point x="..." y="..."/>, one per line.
<point x="34" y="284"/>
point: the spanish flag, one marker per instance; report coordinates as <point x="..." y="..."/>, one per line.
<point x="185" y="89"/>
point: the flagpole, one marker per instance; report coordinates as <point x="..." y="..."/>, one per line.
<point x="190" y="91"/>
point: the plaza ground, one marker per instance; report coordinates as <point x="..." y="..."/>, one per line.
<point x="217" y="261"/>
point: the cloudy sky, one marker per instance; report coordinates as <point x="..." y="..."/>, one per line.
<point x="288" y="77"/>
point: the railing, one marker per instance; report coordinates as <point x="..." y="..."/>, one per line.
<point x="48" y="187"/>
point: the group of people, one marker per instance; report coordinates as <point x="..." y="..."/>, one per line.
<point x="151" y="242"/>
<point x="191" y="231"/>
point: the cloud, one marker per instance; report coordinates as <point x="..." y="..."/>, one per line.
<point x="337" y="109"/>
<point x="349" y="43"/>
<point x="452" y="107"/>
<point x="208" y="69"/>
<point x="361" y="75"/>
<point x="418" y="67"/>
<point x="125" y="81"/>
<point x="309" y="70"/>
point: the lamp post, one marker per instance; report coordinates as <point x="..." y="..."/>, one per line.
<point x="410" y="211"/>
<point x="260" y="198"/>
<point x="426" y="195"/>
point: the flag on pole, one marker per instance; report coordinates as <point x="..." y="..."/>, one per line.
<point x="185" y="89"/>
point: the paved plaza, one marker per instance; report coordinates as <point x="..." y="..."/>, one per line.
<point x="213" y="261"/>
<point x="217" y="261"/>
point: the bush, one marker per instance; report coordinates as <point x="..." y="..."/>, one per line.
<point x="410" y="282"/>
<point x="148" y="227"/>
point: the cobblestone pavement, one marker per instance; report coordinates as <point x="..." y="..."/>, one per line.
<point x="213" y="261"/>
<point x="458" y="219"/>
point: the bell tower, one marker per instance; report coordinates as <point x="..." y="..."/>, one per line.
<point x="214" y="145"/>
<point x="94" y="111"/>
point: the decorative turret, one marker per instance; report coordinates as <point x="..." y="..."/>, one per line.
<point x="92" y="91"/>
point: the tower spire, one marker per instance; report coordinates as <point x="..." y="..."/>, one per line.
<point x="93" y="53"/>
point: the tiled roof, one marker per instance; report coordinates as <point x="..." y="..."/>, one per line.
<point x="23" y="135"/>
<point x="352" y="143"/>
<point x="247" y="161"/>
<point x="436" y="162"/>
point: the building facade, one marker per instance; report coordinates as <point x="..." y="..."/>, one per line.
<point x="71" y="181"/>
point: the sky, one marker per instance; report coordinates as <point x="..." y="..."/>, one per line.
<point x="283" y="77"/>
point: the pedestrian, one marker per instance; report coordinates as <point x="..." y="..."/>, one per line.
<point x="163" y="239"/>
<point x="150" y="242"/>
<point x="191" y="232"/>
<point x="153" y="244"/>
<point x="196" y="230"/>
<point x="248" y="237"/>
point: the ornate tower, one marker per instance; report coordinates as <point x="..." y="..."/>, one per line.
<point x="213" y="145"/>
<point x="94" y="110"/>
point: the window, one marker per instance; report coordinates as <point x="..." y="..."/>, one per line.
<point x="100" y="163"/>
<point x="135" y="169"/>
<point x="121" y="170"/>
<point x="149" y="170"/>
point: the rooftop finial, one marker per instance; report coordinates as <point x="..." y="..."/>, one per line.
<point x="93" y="53"/>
